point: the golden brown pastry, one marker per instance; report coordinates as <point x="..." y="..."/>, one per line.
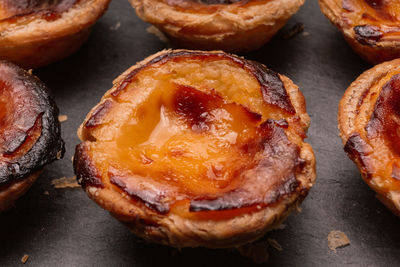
<point x="30" y="134"/>
<point x="230" y="25"/>
<point x="369" y="123"/>
<point x="371" y="27"/>
<point x="194" y="148"/>
<point x="34" y="33"/>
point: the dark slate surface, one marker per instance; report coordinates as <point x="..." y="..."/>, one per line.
<point x="66" y="228"/>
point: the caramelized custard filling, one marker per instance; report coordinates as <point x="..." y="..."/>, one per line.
<point x="372" y="20"/>
<point x="383" y="130"/>
<point x="15" y="8"/>
<point x="192" y="136"/>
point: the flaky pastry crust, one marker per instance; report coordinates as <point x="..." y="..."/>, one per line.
<point x="267" y="181"/>
<point x="232" y="26"/>
<point x="36" y="33"/>
<point x="14" y="191"/>
<point x="368" y="123"/>
<point x="30" y="135"/>
<point x="369" y="26"/>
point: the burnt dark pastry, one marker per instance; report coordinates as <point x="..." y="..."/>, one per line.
<point x="230" y="25"/>
<point x="34" y="33"/>
<point x="194" y="148"/>
<point x="371" y="27"/>
<point x="369" y="123"/>
<point x="30" y="134"/>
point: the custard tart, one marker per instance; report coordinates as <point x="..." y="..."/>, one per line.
<point x="229" y="25"/>
<point x="194" y="148"/>
<point x="371" y="27"/>
<point x="34" y="33"/>
<point x="369" y="123"/>
<point x="30" y="134"/>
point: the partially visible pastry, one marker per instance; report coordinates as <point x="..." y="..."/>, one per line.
<point x="371" y="27"/>
<point x="229" y="25"/>
<point x="369" y="123"/>
<point x="194" y="148"/>
<point x="36" y="33"/>
<point x="30" y="136"/>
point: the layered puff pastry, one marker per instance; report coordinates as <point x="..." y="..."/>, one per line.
<point x="369" y="123"/>
<point x="194" y="148"/>
<point x="371" y="27"/>
<point x="34" y="33"/>
<point x="30" y="134"/>
<point x="229" y="25"/>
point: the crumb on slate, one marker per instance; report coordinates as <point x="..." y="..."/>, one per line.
<point x="273" y="243"/>
<point x="25" y="258"/>
<point x="158" y="33"/>
<point x="65" y="182"/>
<point x="116" y="26"/>
<point x="296" y="29"/>
<point x="298" y="209"/>
<point x="258" y="252"/>
<point x="279" y="227"/>
<point x="62" y="118"/>
<point x="337" y="239"/>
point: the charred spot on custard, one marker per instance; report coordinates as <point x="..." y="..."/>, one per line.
<point x="358" y="150"/>
<point x="99" y="114"/>
<point x="87" y="173"/>
<point x="18" y="139"/>
<point x="376" y="4"/>
<point x="195" y="106"/>
<point x="385" y="120"/>
<point x="153" y="200"/>
<point x="368" y="34"/>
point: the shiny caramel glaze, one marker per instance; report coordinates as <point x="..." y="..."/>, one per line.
<point x="369" y="119"/>
<point x="48" y="9"/>
<point x="192" y="133"/>
<point x="30" y="131"/>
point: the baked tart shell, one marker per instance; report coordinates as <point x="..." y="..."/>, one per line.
<point x="233" y="217"/>
<point x="32" y="37"/>
<point x="368" y="124"/>
<point x="368" y="27"/>
<point x="237" y="27"/>
<point x="30" y="135"/>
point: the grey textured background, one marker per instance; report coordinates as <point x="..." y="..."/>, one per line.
<point x="68" y="229"/>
